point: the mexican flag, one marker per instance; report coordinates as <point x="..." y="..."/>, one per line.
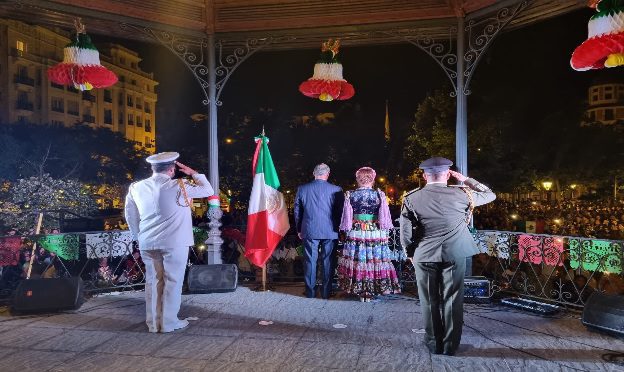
<point x="267" y="220"/>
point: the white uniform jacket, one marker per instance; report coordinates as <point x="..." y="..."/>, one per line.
<point x="157" y="214"/>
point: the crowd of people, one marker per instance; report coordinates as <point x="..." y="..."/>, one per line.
<point x="583" y="218"/>
<point x="44" y="264"/>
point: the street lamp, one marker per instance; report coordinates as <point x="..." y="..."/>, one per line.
<point x="573" y="187"/>
<point x="547" y="186"/>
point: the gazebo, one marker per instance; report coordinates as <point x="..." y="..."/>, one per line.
<point x="213" y="37"/>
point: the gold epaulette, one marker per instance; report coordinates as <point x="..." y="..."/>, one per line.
<point x="411" y="192"/>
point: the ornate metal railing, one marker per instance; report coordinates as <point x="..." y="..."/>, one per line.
<point x="105" y="260"/>
<point x="560" y="269"/>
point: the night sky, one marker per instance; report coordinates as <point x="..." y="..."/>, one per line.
<point x="528" y="67"/>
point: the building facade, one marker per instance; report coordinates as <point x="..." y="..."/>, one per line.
<point x="26" y="94"/>
<point x="605" y="102"/>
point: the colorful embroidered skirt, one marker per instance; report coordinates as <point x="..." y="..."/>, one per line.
<point x="365" y="267"/>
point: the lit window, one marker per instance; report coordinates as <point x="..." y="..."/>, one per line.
<point x="21" y="46"/>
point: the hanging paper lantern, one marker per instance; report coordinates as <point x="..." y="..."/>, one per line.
<point x="327" y="83"/>
<point x="81" y="65"/>
<point x="604" y="46"/>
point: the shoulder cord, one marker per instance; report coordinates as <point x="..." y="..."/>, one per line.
<point x="184" y="194"/>
<point x="470" y="203"/>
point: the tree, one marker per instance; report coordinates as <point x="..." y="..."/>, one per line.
<point x="55" y="168"/>
<point x="95" y="156"/>
<point x="433" y="129"/>
<point x="27" y="197"/>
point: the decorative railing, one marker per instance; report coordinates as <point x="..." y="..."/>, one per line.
<point x="104" y="260"/>
<point x="20" y="79"/>
<point x="559" y="269"/>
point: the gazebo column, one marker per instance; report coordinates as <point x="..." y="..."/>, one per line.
<point x="461" y="119"/>
<point x="458" y="61"/>
<point x="461" y="126"/>
<point x="214" y="214"/>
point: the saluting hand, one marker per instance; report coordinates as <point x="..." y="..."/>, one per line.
<point x="184" y="169"/>
<point x="460" y="177"/>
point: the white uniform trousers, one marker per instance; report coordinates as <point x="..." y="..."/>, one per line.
<point x="164" y="275"/>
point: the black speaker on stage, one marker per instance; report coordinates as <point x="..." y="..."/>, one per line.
<point x="212" y="278"/>
<point x="605" y="312"/>
<point x="45" y="295"/>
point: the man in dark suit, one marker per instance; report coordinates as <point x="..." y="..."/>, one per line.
<point x="318" y="208"/>
<point x="441" y="214"/>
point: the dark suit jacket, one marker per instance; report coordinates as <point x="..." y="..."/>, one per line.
<point x="318" y="208"/>
<point x="439" y="213"/>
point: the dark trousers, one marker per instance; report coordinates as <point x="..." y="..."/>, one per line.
<point x="441" y="293"/>
<point x="311" y="257"/>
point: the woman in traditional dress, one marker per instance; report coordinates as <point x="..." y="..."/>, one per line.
<point x="365" y="268"/>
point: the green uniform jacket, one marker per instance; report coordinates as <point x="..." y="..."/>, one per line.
<point x="438" y="214"/>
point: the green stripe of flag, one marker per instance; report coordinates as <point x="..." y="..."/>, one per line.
<point x="265" y="165"/>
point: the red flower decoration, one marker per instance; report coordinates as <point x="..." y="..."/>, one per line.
<point x="81" y="65"/>
<point x="327" y="83"/>
<point x="604" y="46"/>
<point x="72" y="74"/>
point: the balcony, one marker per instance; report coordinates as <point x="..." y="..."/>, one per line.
<point x="24" y="105"/>
<point x="88" y="97"/>
<point x="139" y="124"/>
<point x="24" y="80"/>
<point x="130" y="122"/>
<point x="57" y="86"/>
<point x="148" y="110"/>
<point x="60" y="109"/>
<point x="148" y="128"/>
<point x="75" y="113"/>
<point x="73" y="90"/>
<point x="88" y="118"/>
<point x="139" y="106"/>
<point x="108" y="99"/>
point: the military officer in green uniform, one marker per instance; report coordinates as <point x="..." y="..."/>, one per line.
<point x="435" y="221"/>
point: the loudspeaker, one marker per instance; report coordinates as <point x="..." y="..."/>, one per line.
<point x="476" y="289"/>
<point x="212" y="278"/>
<point x="605" y="312"/>
<point x="45" y="295"/>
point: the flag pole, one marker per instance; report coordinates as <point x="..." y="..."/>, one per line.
<point x="34" y="248"/>
<point x="263" y="287"/>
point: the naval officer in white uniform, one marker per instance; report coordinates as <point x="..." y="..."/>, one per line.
<point x="159" y="217"/>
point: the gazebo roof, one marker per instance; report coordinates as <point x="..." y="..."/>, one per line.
<point x="305" y="22"/>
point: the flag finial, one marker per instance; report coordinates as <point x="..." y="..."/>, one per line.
<point x="263" y="131"/>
